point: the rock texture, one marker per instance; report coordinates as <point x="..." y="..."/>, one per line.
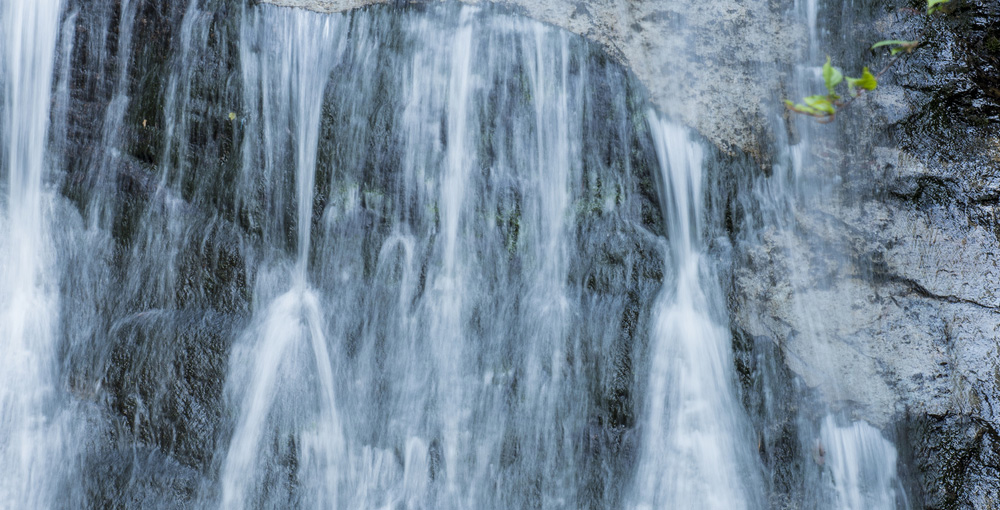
<point x="882" y="288"/>
<point x="714" y="65"/>
<point x="879" y="285"/>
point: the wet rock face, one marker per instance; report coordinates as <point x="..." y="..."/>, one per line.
<point x="876" y="311"/>
<point x="162" y="283"/>
<point x="956" y="461"/>
<point x="166" y="283"/>
<point x="883" y="291"/>
<point x="715" y="65"/>
<point x="939" y="237"/>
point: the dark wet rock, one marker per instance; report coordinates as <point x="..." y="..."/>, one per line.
<point x="890" y="312"/>
<point x="139" y="477"/>
<point x="165" y="381"/>
<point x="956" y="461"/>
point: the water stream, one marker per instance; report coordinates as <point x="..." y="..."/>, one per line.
<point x="282" y="366"/>
<point x="697" y="449"/>
<point x="420" y="349"/>
<point x="33" y="446"/>
<point x="436" y="256"/>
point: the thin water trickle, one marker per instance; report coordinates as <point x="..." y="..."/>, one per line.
<point x="858" y="464"/>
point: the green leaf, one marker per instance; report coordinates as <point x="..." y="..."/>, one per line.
<point x="831" y="76"/>
<point x="935" y="5"/>
<point x="821" y="103"/>
<point x="801" y="108"/>
<point x="867" y="81"/>
<point x="897" y="46"/>
<point x="232" y="115"/>
<point x="893" y="42"/>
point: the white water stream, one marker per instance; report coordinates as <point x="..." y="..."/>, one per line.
<point x="697" y="451"/>
<point x="33" y="446"/>
<point x="281" y="366"/>
<point x="452" y="261"/>
<point x="862" y="466"/>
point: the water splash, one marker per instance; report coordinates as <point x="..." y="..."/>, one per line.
<point x="861" y="466"/>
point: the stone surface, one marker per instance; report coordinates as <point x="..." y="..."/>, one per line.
<point x="882" y="298"/>
<point x="871" y="317"/>
<point x="714" y="65"/>
<point x="881" y="287"/>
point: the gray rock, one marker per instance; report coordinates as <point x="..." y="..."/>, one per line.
<point x="881" y="290"/>
<point x="873" y="306"/>
<point x="714" y="65"/>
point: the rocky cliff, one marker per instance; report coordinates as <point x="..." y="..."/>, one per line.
<point x="880" y="284"/>
<point x="882" y="291"/>
<point x="875" y="292"/>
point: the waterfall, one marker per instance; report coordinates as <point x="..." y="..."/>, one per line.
<point x="33" y="449"/>
<point x="432" y="349"/>
<point x="295" y="52"/>
<point x="408" y="256"/>
<point x="697" y="450"/>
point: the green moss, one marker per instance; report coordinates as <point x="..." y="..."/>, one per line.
<point x="508" y="222"/>
<point x="992" y="45"/>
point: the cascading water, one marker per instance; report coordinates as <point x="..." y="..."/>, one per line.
<point x="697" y="448"/>
<point x="406" y="257"/>
<point x="443" y="264"/>
<point x="33" y="449"/>
<point x="862" y="466"/>
<point x="295" y="52"/>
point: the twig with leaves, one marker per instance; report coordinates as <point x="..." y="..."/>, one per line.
<point x="824" y="106"/>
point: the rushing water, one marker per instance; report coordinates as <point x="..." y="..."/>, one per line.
<point x="425" y="354"/>
<point x="33" y="450"/>
<point x="427" y="257"/>
<point x="295" y="52"/>
<point x="697" y="448"/>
